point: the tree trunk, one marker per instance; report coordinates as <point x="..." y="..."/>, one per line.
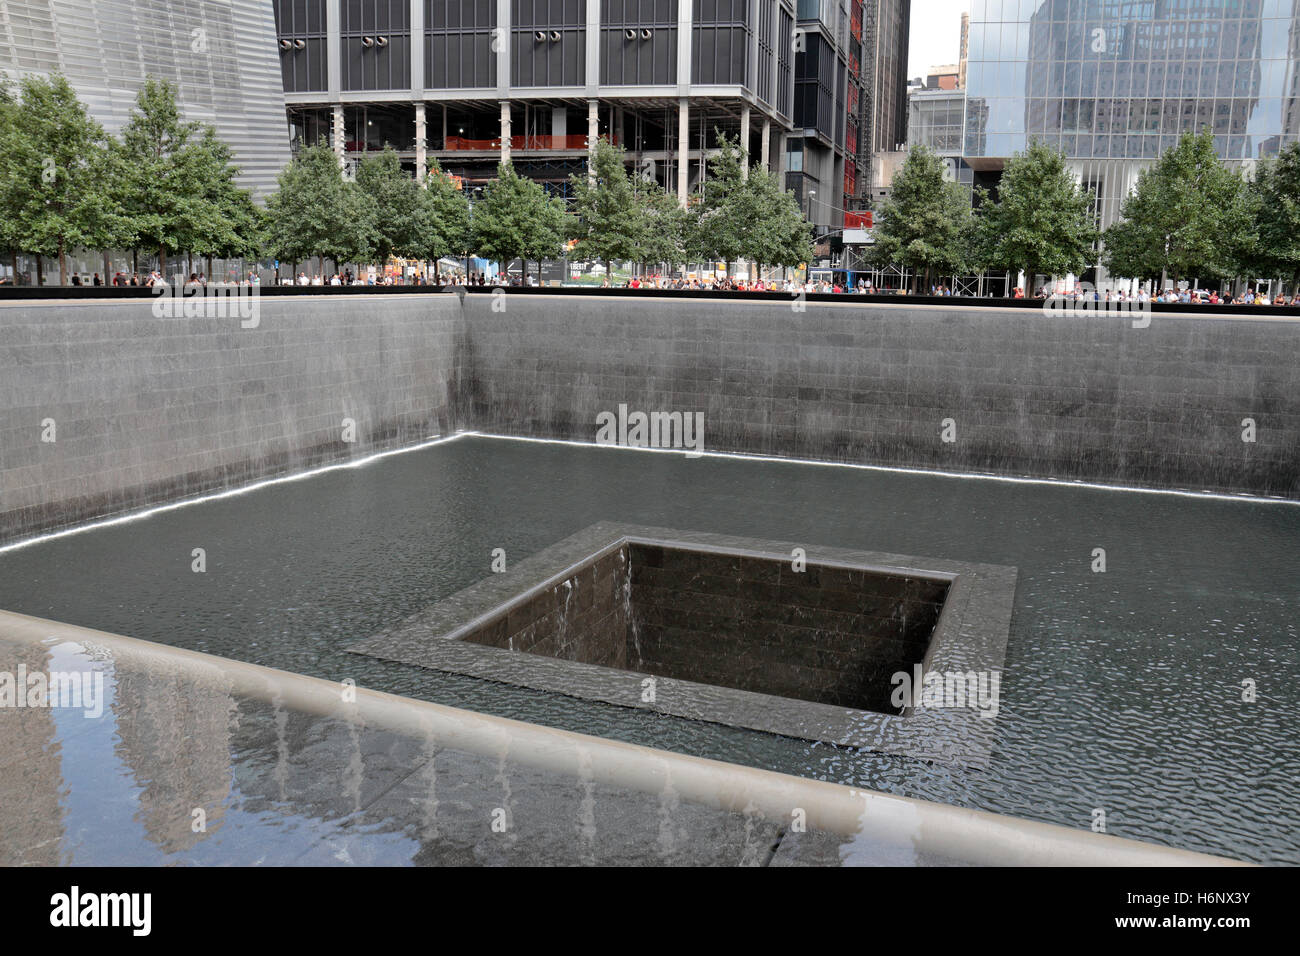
<point x="13" y="262"/>
<point x="63" y="264"/>
<point x="162" y="262"/>
<point x="106" y="267"/>
<point x="209" y="269"/>
<point x="40" y="270"/>
<point x="135" y="262"/>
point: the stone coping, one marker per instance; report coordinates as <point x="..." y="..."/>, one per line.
<point x="970" y="636"/>
<point x="852" y="819"/>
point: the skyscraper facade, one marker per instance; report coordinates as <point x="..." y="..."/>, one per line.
<point x="473" y="83"/>
<point x="886" y="31"/>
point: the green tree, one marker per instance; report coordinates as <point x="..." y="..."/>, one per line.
<point x="8" y="221"/>
<point x="167" y="176"/>
<point x="444" y="218"/>
<point x="724" y="209"/>
<point x="54" y="174"/>
<point x="229" y="223"/>
<point x="926" y="224"/>
<point x="779" y="235"/>
<point x="546" y="233"/>
<point x="1042" y="221"/>
<point x="609" y="222"/>
<point x="516" y="219"/>
<point x="399" y="209"/>
<point x="315" y="212"/>
<point x="1189" y="216"/>
<point x="663" y="223"/>
<point x="1276" y="190"/>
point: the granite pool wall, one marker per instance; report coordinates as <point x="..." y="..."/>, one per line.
<point x="1019" y="391"/>
<point x="148" y="409"/>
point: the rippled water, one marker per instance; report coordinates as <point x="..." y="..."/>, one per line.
<point x="1122" y="691"/>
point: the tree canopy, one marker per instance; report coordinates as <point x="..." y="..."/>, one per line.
<point x="1276" y="193"/>
<point x="1189" y="216"/>
<point x="609" y="221"/>
<point x="400" y="211"/>
<point x="1043" y="220"/>
<point x="779" y="235"/>
<point x="167" y="176"/>
<point x="54" y="174"/>
<point x="516" y="219"/>
<point x="724" y="209"/>
<point x="926" y="224"/>
<point x="444" y="212"/>
<point x="663" y="223"/>
<point x="315" y="212"/>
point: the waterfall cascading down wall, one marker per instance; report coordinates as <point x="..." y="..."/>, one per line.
<point x="105" y="408"/>
<point x="1022" y="392"/>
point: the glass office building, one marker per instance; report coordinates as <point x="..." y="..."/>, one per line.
<point x="1113" y="83"/>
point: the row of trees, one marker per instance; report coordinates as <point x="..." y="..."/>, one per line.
<point x="613" y="216"/>
<point x="1189" y="216"/>
<point x="165" y="185"/>
<point x="168" y="186"/>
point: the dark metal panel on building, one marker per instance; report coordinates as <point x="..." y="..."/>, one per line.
<point x="784" y="66"/>
<point x="638" y="42"/>
<point x="766" y="38"/>
<point x="375" y="44"/>
<point x="816" y="87"/>
<point x="458" y="51"/>
<point x="548" y="42"/>
<point x="720" y="47"/>
<point x="304" y="50"/>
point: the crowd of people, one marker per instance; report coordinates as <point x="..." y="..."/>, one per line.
<point x="128" y="279"/>
<point x="787" y="286"/>
<point x="346" y="277"/>
<point x="1249" y="296"/>
<point x="725" y="284"/>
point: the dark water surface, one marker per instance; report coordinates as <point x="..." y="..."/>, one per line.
<point x="1122" y="690"/>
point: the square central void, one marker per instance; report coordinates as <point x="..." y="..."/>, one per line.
<point x="833" y="635"/>
<point x="785" y="638"/>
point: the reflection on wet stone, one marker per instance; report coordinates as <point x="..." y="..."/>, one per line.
<point x="31" y="776"/>
<point x="173" y="735"/>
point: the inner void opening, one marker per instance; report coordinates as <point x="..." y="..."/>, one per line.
<point x="823" y="633"/>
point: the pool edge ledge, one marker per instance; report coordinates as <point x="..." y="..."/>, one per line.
<point x="963" y="835"/>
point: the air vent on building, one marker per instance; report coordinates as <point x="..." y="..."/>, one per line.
<point x="540" y="36"/>
<point x="555" y="36"/>
<point x="630" y="34"/>
<point x="646" y="34"/>
<point x="367" y="42"/>
<point x="300" y="44"/>
<point x="285" y="45"/>
<point x="382" y="41"/>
